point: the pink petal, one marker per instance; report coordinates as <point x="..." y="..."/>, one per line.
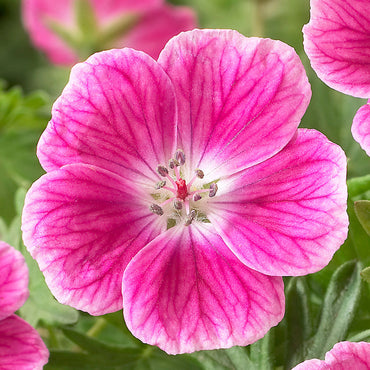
<point x="21" y="346"/>
<point x="83" y="225"/>
<point x="117" y="112"/>
<point x="337" y="41"/>
<point x="314" y="364"/>
<point x="157" y="27"/>
<point x="240" y="99"/>
<point x="361" y="127"/>
<point x="287" y="215"/>
<point x="109" y="8"/>
<point x="35" y="13"/>
<point x="185" y="292"/>
<point x="13" y="280"/>
<point x="158" y="22"/>
<point x="343" y="356"/>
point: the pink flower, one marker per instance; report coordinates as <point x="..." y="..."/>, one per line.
<point x="70" y="30"/>
<point x="187" y="178"/>
<point x="337" y="42"/>
<point x="20" y="344"/>
<point x="343" y="356"/>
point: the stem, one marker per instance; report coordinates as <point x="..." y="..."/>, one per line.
<point x="97" y="328"/>
<point x="258" y="19"/>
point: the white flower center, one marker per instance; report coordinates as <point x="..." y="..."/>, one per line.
<point x="178" y="200"/>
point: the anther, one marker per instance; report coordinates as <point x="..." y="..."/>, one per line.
<point x="196" y="197"/>
<point x="160" y="184"/>
<point x="177" y="204"/>
<point x="199" y="173"/>
<point x="180" y="157"/>
<point x="213" y="189"/>
<point x="155" y="208"/>
<point x="191" y="216"/>
<point x="173" y="163"/>
<point x="162" y="170"/>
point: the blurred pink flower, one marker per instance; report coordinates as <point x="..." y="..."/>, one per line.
<point x="343" y="356"/>
<point x="188" y="178"/>
<point x="68" y="31"/>
<point x="337" y="42"/>
<point x="20" y="344"/>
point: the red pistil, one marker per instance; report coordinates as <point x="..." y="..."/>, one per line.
<point x="182" y="190"/>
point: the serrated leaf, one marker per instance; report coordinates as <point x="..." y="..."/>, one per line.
<point x="338" y="310"/>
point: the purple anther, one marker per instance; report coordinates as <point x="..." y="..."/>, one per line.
<point x="160" y="184"/>
<point x="190" y="217"/>
<point x="173" y="163"/>
<point x="196" y="197"/>
<point x="155" y="208"/>
<point x="177" y="204"/>
<point x="162" y="170"/>
<point x="213" y="189"/>
<point x="180" y="157"/>
<point x="199" y="173"/>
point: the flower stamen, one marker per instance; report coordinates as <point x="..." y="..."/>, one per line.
<point x="181" y="195"/>
<point x="155" y="208"/>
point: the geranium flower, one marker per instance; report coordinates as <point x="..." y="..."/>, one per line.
<point x="337" y="42"/>
<point x="186" y="182"/>
<point x="343" y="356"/>
<point x="20" y="344"/>
<point x="69" y="31"/>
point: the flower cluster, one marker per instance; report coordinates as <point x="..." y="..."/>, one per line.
<point x="70" y="30"/>
<point x="182" y="191"/>
<point x="337" y="42"/>
<point x="20" y="344"/>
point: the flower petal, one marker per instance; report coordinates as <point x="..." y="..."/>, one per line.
<point x="343" y="356"/>
<point x="13" y="280"/>
<point x="287" y="215"/>
<point x="349" y="355"/>
<point x="186" y="291"/>
<point x="108" y="8"/>
<point x="156" y="27"/>
<point x="240" y="99"/>
<point x="21" y="346"/>
<point x="83" y="225"/>
<point x="337" y="42"/>
<point x="37" y="13"/>
<point x="118" y="112"/>
<point x="361" y="127"/>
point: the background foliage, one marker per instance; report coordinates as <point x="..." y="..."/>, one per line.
<point x="321" y="308"/>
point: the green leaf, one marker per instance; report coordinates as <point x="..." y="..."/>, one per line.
<point x="100" y="355"/>
<point x="20" y="120"/>
<point x="365" y="274"/>
<point x="298" y="321"/>
<point x="340" y="303"/>
<point x="261" y="352"/>
<point x="358" y="185"/>
<point x="359" y="337"/>
<point x="362" y="210"/>
<point x="225" y="359"/>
